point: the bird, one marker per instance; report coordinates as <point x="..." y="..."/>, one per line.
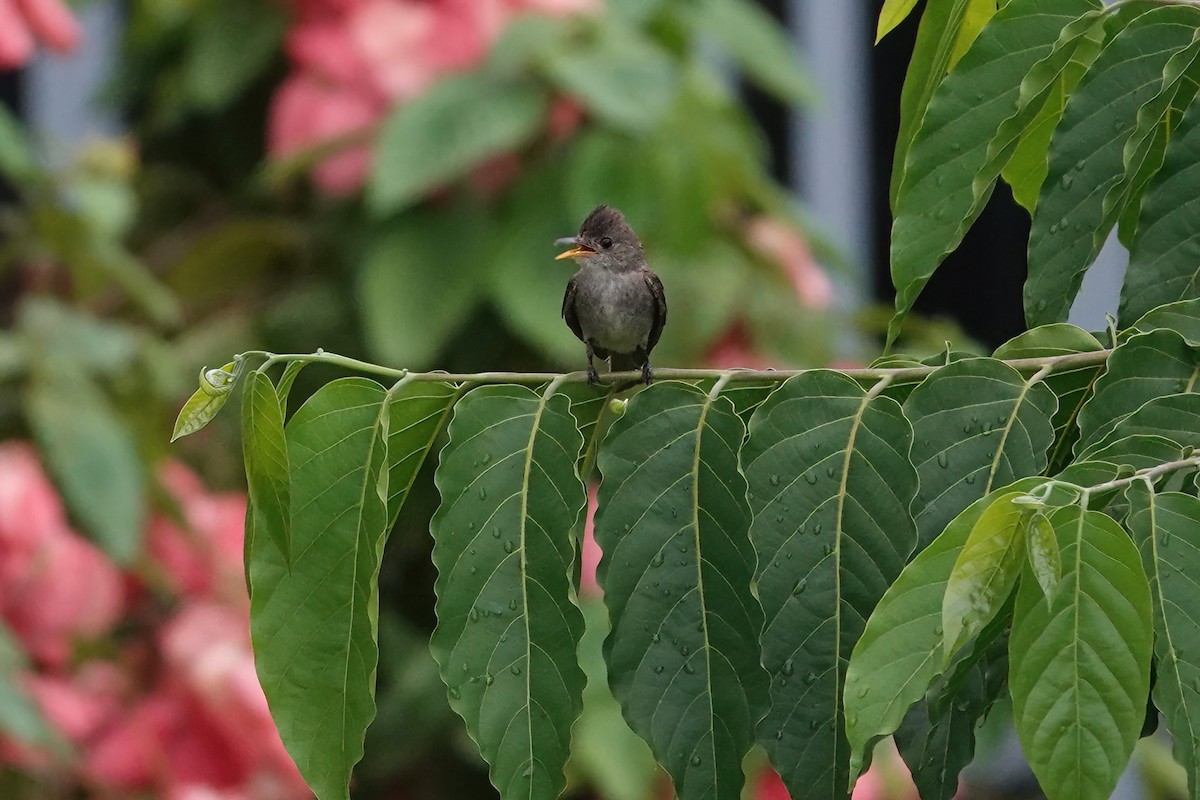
<point x="614" y="303"/>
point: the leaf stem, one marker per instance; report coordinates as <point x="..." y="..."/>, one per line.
<point x="893" y="375"/>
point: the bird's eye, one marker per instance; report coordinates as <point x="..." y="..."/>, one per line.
<point x="606" y="242"/>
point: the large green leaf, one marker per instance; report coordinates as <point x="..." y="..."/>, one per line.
<point x="313" y="625"/>
<point x="233" y="43"/>
<point x="977" y="424"/>
<point x="936" y="35"/>
<point x="1072" y="386"/>
<point x="623" y="77"/>
<point x="829" y="485"/>
<point x="508" y="629"/>
<point x="941" y="195"/>
<point x="455" y="125"/>
<point x="418" y="281"/>
<point x="1156" y="123"/>
<point x="892" y="14"/>
<point x="1139" y="451"/>
<point x="1182" y="316"/>
<point x="1044" y="94"/>
<point x="418" y="412"/>
<point x="1175" y="417"/>
<point x="683" y="654"/>
<point x="1147" y="366"/>
<point x="1164" y="256"/>
<point x="1086" y="158"/>
<point x="264" y="451"/>
<point x="899" y="654"/>
<point x="1164" y="526"/>
<point x="758" y="44"/>
<point x="985" y="573"/>
<point x="93" y="457"/>
<point x="1080" y="665"/>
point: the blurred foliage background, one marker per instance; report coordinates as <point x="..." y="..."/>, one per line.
<point x="379" y="178"/>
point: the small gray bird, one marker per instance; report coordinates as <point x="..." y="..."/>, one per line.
<point x="614" y="303"/>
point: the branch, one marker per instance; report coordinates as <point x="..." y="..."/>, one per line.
<point x="1038" y="367"/>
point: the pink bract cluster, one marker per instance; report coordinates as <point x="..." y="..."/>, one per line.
<point x="353" y="60"/>
<point x="24" y="22"/>
<point x="150" y="677"/>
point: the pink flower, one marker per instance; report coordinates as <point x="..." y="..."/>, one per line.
<point x="203" y="559"/>
<point x="590" y="552"/>
<point x="208" y="648"/>
<point x="308" y="112"/>
<point x="23" y="20"/>
<point x="71" y="591"/>
<point x="30" y="508"/>
<point x="79" y="706"/>
<point x="779" y="242"/>
<point x="734" y="350"/>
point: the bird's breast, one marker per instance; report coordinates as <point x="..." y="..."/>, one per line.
<point x="616" y="310"/>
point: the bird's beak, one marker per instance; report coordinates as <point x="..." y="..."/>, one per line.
<point x="579" y="250"/>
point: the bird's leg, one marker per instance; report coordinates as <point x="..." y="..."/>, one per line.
<point x="593" y="378"/>
<point x="647" y="370"/>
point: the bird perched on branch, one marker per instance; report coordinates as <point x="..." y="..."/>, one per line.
<point x="614" y="303"/>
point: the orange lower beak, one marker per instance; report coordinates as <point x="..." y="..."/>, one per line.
<point x="576" y="253"/>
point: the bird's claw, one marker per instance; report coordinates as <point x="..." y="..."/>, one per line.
<point x="593" y="377"/>
<point x="647" y="373"/>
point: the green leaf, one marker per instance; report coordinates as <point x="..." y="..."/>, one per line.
<point x="829" y="485"/>
<point x="1175" y="417"/>
<point x="1164" y="528"/>
<point x="979" y="13"/>
<point x="1045" y="559"/>
<point x="1146" y="366"/>
<point x="892" y="14"/>
<point x="759" y="45"/>
<point x="1162" y="261"/>
<point x="1144" y="152"/>
<point x="985" y="573"/>
<point x="290" y="373"/>
<point x="1080" y="665"/>
<point x="899" y="654"/>
<point x="1139" y="451"/>
<point x="1072" y="386"/>
<point x="626" y="79"/>
<point x="936" y="35"/>
<point x="683" y="655"/>
<point x="207" y="401"/>
<point x="455" y="125"/>
<point x="419" y="411"/>
<point x="264" y="451"/>
<point x="607" y="752"/>
<point x="1044" y="94"/>
<point x="1086" y="158"/>
<point x="940" y="197"/>
<point x="524" y="281"/>
<point x="507" y="629"/>
<point x="17" y="162"/>
<point x="93" y="458"/>
<point x="418" y="282"/>
<point x="230" y="47"/>
<point x="937" y="737"/>
<point x="313" y="625"/>
<point x="20" y="718"/>
<point x="1182" y="316"/>
<point x="977" y="424"/>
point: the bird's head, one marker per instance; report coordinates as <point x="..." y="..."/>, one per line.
<point x="605" y="240"/>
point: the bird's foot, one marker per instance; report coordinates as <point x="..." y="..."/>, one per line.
<point x="647" y="373"/>
<point x="593" y="377"/>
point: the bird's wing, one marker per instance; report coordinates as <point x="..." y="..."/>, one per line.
<point x="568" y="311"/>
<point x="660" y="307"/>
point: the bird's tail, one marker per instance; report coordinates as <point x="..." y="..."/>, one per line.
<point x="626" y="362"/>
